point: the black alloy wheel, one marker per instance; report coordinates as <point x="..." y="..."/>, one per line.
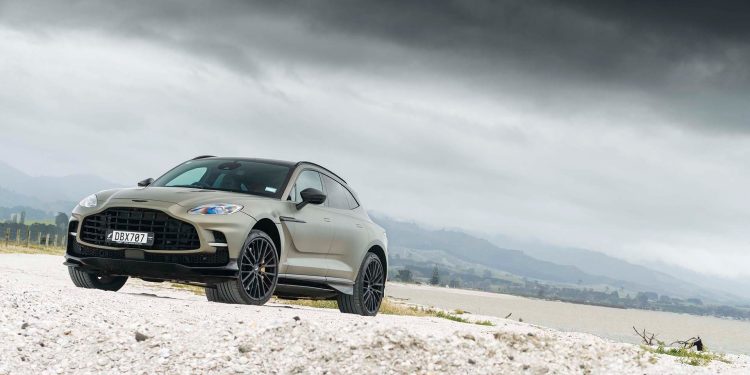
<point x="259" y="268"/>
<point x="258" y="274"/>
<point x="368" y="289"/>
<point x="373" y="286"/>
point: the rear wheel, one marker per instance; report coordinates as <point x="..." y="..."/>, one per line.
<point x="87" y="280"/>
<point x="368" y="289"/>
<point x="258" y="274"/>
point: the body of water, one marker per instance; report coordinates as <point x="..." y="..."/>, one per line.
<point x="718" y="334"/>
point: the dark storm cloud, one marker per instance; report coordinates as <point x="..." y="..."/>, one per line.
<point x="688" y="58"/>
<point x="586" y="124"/>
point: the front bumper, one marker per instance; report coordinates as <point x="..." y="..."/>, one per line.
<point x="153" y="270"/>
<point x="235" y="227"/>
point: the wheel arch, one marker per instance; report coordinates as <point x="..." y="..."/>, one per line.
<point x="379" y="250"/>
<point x="268" y="227"/>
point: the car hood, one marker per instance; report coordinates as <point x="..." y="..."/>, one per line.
<point x="182" y="196"/>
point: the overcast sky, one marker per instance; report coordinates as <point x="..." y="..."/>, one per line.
<point x="619" y="127"/>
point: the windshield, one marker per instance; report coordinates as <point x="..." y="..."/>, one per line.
<point x="250" y="177"/>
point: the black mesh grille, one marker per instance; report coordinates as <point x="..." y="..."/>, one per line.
<point x="220" y="258"/>
<point x="169" y="233"/>
<point x="88" y="251"/>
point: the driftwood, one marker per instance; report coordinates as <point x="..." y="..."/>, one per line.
<point x="650" y="339"/>
<point x="647" y="337"/>
<point x="508" y="316"/>
<point x="689" y="343"/>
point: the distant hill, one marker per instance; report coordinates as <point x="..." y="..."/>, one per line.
<point x="569" y="266"/>
<point x="46" y="193"/>
<point x="738" y="286"/>
<point x="479" y="251"/>
<point x="597" y="263"/>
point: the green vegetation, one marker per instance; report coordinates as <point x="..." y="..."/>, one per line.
<point x="449" y="316"/>
<point x="484" y="323"/>
<point x="688" y="356"/>
<point x="435" y="279"/>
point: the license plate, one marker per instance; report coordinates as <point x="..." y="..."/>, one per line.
<point x="130" y="238"/>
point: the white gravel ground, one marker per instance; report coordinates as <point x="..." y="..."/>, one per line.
<point x="47" y="326"/>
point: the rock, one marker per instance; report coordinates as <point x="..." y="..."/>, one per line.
<point x="190" y="336"/>
<point x="164" y="353"/>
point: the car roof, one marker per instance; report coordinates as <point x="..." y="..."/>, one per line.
<point x="290" y="164"/>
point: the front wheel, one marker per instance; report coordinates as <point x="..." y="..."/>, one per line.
<point x="258" y="274"/>
<point x="368" y="289"/>
<point x="87" y="280"/>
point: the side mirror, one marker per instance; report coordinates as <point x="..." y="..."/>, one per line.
<point x="311" y="195"/>
<point x="146" y="182"/>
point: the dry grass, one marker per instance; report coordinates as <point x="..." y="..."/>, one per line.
<point x="198" y="290"/>
<point x="12" y="248"/>
<point x="390" y="307"/>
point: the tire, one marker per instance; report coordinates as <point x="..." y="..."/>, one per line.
<point x="212" y="295"/>
<point x="368" y="289"/>
<point x="258" y="264"/>
<point x="87" y="280"/>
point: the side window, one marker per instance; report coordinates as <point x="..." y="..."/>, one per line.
<point x="189" y="177"/>
<point x="350" y="198"/>
<point x="336" y="194"/>
<point x="306" y="179"/>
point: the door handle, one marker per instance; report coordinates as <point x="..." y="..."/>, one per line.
<point x="327" y="220"/>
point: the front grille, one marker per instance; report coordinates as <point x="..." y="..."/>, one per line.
<point x="220" y="258"/>
<point x="169" y="233"/>
<point x="88" y="251"/>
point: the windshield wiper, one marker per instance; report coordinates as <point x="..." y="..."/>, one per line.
<point x="193" y="187"/>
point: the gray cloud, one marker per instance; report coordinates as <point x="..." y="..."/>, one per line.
<point x="684" y="55"/>
<point x="615" y="127"/>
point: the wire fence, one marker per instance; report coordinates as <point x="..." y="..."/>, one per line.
<point x="32" y="235"/>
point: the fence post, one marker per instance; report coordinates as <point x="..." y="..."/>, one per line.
<point x="46" y="240"/>
<point x="39" y="238"/>
<point x="28" y="237"/>
<point x="7" y="236"/>
<point x="54" y="243"/>
<point x="18" y="236"/>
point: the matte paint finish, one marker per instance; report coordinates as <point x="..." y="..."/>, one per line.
<point x="316" y="241"/>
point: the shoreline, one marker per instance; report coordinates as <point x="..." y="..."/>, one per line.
<point x="727" y="335"/>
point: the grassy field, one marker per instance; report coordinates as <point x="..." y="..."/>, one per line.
<point x="12" y="248"/>
<point x="389" y="306"/>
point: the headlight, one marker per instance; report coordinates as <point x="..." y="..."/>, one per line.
<point x="215" y="209"/>
<point x="89" y="201"/>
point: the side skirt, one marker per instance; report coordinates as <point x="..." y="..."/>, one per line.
<point x="320" y="282"/>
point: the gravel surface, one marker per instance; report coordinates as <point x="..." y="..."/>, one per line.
<point x="47" y="326"/>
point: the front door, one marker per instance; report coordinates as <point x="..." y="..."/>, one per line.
<point x="309" y="228"/>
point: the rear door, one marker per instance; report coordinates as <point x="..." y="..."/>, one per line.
<point x="349" y="232"/>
